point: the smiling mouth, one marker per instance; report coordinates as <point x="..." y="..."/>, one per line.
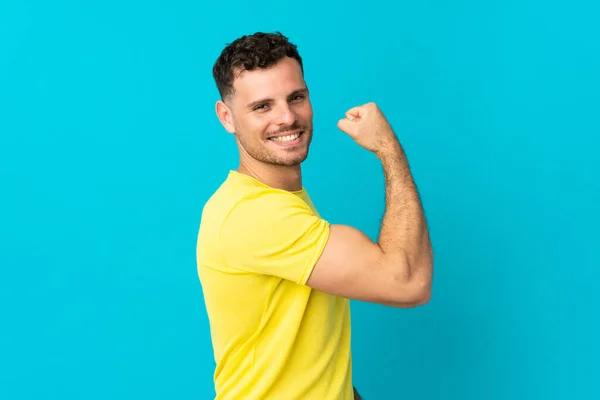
<point x="287" y="138"/>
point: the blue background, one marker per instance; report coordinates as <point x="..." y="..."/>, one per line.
<point x="109" y="147"/>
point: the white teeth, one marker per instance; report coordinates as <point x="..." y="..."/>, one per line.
<point x="287" y="138"/>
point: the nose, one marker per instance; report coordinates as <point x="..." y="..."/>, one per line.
<point x="285" y="115"/>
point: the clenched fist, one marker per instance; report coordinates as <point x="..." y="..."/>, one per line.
<point x="368" y="126"/>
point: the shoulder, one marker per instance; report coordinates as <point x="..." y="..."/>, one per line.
<point x="273" y="233"/>
<point x="239" y="194"/>
<point x="243" y="209"/>
<point x="268" y="207"/>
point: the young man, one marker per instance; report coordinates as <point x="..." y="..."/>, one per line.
<point x="276" y="277"/>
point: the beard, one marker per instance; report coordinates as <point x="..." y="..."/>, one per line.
<point x="262" y="151"/>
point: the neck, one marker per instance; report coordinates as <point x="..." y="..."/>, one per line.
<point x="275" y="176"/>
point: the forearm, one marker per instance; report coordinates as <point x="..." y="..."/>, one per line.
<point x="404" y="237"/>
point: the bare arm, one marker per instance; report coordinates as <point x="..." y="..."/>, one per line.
<point x="398" y="269"/>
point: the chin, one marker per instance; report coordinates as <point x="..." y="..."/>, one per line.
<point x="292" y="160"/>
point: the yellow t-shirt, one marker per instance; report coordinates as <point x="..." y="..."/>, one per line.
<point x="273" y="336"/>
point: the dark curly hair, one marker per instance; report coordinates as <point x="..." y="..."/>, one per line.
<point x="260" y="50"/>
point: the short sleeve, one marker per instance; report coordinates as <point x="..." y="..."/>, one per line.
<point x="275" y="233"/>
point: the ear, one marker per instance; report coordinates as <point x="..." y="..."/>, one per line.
<point x="225" y="116"/>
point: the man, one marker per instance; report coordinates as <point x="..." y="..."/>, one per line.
<point x="277" y="278"/>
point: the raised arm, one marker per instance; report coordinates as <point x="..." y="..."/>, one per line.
<point x="398" y="269"/>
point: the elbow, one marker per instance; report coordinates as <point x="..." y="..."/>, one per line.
<point x="413" y="292"/>
<point x="413" y="295"/>
<point x="422" y="297"/>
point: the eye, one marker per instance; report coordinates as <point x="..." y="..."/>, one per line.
<point x="297" y="97"/>
<point x="260" y="107"/>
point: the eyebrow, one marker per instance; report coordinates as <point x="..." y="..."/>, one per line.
<point x="267" y="100"/>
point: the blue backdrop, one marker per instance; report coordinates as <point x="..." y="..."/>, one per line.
<point x="109" y="147"/>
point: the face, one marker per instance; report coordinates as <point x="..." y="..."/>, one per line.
<point x="270" y="114"/>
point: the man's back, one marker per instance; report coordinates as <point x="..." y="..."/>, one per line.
<point x="273" y="336"/>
